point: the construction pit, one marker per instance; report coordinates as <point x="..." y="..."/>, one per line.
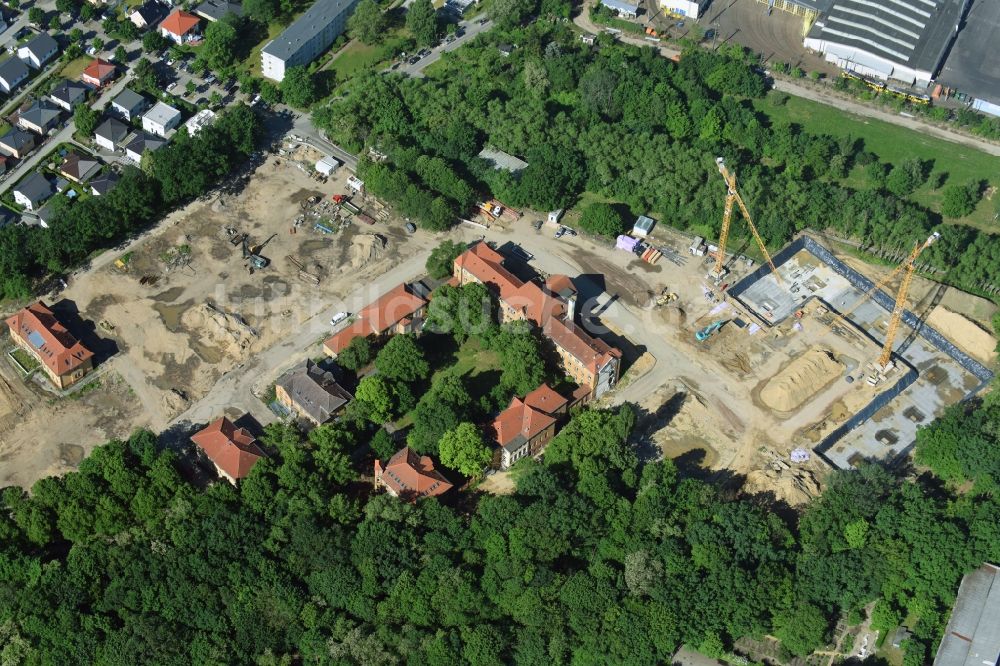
<point x="184" y="309"/>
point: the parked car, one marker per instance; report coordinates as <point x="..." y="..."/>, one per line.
<point x="339" y="317"/>
<point x="210" y="79"/>
<point x="560" y="231"/>
<point x="411" y="228"/>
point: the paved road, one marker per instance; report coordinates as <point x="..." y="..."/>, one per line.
<point x="63" y="135"/>
<point x="303" y="127"/>
<point x="472" y="29"/>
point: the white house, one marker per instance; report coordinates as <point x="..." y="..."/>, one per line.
<point x="111" y="134"/>
<point x="161" y="119"/>
<point x="12" y="72"/>
<point x="307" y="37"/>
<point x="33" y="191"/>
<point x="38" y="50"/>
<point x="203" y="118"/>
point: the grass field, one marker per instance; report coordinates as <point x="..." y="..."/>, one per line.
<point x="74" y="68"/>
<point x="353" y="58"/>
<point x="894" y="144"/>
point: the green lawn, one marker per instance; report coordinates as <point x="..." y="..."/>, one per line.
<point x="894" y="144"/>
<point x="74" y="68"/>
<point x="24" y="359"/>
<point x="353" y="58"/>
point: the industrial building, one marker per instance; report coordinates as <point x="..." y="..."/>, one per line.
<point x="972" y="637"/>
<point x="626" y="9"/>
<point x="306" y="38"/>
<point x="686" y="8"/>
<point x="903" y="41"/>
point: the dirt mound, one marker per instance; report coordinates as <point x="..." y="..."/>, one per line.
<point x="222" y="330"/>
<point x="366" y="248"/>
<point x="800" y="380"/>
<point x="966" y="335"/>
<point x="795" y="486"/>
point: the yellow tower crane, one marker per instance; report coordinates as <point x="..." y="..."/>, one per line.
<point x="732" y="196"/>
<point x="885" y="363"/>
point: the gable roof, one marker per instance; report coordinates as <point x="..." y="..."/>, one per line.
<point x="214" y="10"/>
<point x="233" y="449"/>
<point x="315" y="21"/>
<point x="129" y="99"/>
<point x="315" y="391"/>
<point x="112" y="129"/>
<point x="592" y="352"/>
<point x="13" y="69"/>
<point x="518" y="424"/>
<point x="486" y="264"/>
<point x="392" y="307"/>
<point x="35" y="187"/>
<point x="99" y="69"/>
<point x="55" y="346"/>
<point x="68" y="91"/>
<point x="40" y="45"/>
<point x="339" y="340"/>
<point x="180" y="22"/>
<point x="412" y="476"/>
<point x="148" y="11"/>
<point x="78" y="166"/>
<point x="545" y="399"/>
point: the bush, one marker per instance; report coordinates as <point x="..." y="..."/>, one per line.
<point x="960" y="200"/>
<point x="602" y="219"/>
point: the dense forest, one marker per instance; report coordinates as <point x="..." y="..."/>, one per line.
<point x="186" y="168"/>
<point x="624" y="124"/>
<point x="596" y="558"/>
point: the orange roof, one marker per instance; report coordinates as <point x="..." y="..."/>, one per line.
<point x="392" y="308"/>
<point x="99" y="70"/>
<point x="179" y="23"/>
<point x="592" y="352"/>
<point x="560" y="284"/>
<point x="339" y="340"/>
<point x="545" y="399"/>
<point x="486" y="265"/>
<point x="411" y="476"/>
<point x="55" y="346"/>
<point x="520" y="419"/>
<point x="233" y="449"/>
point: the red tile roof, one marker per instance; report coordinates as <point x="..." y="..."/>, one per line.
<point x="520" y="419"/>
<point x="180" y="23"/>
<point x="99" y="70"/>
<point x="397" y="305"/>
<point x="55" y="346"/>
<point x="592" y="352"/>
<point x="486" y="265"/>
<point x="233" y="449"/>
<point x="545" y="399"/>
<point x="412" y="476"/>
<point x="559" y="284"/>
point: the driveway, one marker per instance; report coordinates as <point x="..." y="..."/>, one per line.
<point x="471" y="28"/>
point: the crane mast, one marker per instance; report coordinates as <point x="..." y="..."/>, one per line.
<point x="885" y="360"/>
<point x="732" y="196"/>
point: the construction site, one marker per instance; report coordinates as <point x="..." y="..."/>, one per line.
<point x="211" y="289"/>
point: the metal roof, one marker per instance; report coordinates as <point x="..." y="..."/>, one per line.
<point x="972" y="637"/>
<point x="913" y="33"/>
<point x="307" y="26"/>
<point x="621" y="6"/>
<point x="502" y="160"/>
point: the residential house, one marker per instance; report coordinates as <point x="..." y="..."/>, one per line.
<point x="17" y="142"/>
<point x="129" y="105"/>
<point x="40" y="333"/>
<point x="203" y="118"/>
<point x="213" y="10"/>
<point x="146" y="14"/>
<point x="311" y="393"/>
<point x="98" y="73"/>
<point x="181" y="27"/>
<point x="68" y="94"/>
<point x="46" y="214"/>
<point x="79" y="168"/>
<point x="410" y="476"/>
<point x="33" y="191"/>
<point x="12" y="73"/>
<point x="161" y="119"/>
<point x="4" y="163"/>
<point x="103" y="183"/>
<point x="7" y="216"/>
<point x="233" y="450"/>
<point x="547" y="400"/>
<point x="38" y="50"/>
<point x="110" y="134"/>
<point x="971" y="637"/>
<point x="307" y="37"/>
<point x="521" y="430"/>
<point x="143" y="142"/>
<point x="399" y="311"/>
<point x="39" y="117"/>
<point x="551" y="306"/>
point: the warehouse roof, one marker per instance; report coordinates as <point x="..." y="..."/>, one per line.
<point x="307" y="26"/>
<point x="972" y="637"/>
<point x="914" y="33"/>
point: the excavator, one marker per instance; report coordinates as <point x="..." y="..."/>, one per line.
<point x="253" y="253"/>
<point x="708" y="331"/>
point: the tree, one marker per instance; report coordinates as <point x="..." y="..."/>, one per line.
<point x="298" y="88"/>
<point x="461" y="311"/>
<point x="961" y="200"/>
<point x="36" y="16"/>
<point x="401" y="359"/>
<point x="521" y="357"/>
<point x="75" y="35"/>
<point x="97" y="43"/>
<point x="264" y="11"/>
<point x="121" y="55"/>
<point x="87" y="11"/>
<point x="802" y="629"/>
<point x="462" y="449"/>
<point x="511" y="13"/>
<point x="357" y="354"/>
<point x="85" y="119"/>
<point x="906" y="177"/>
<point x="190" y="87"/>
<point x="215" y="99"/>
<point x="421" y="19"/>
<point x="441" y="261"/>
<point x="602" y="219"/>
<point x="221" y="42"/>
<point x="154" y="42"/>
<point x="367" y="23"/>
<point x="146" y="78"/>
<point x="269" y="92"/>
<point x="375" y="394"/>
<point x="442" y="408"/>
<point x="383" y="445"/>
<point x="55" y="23"/>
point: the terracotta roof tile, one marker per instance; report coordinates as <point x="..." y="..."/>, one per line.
<point x="520" y="419"/>
<point x="99" y="69"/>
<point x="545" y="399"/>
<point x="412" y="476"/>
<point x="53" y="343"/>
<point x="233" y="449"/>
<point x="180" y="23"/>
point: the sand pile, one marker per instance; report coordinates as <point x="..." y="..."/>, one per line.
<point x="964" y="333"/>
<point x="795" y="486"/>
<point x="227" y="332"/>
<point x="366" y="248"/>
<point x="800" y="380"/>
